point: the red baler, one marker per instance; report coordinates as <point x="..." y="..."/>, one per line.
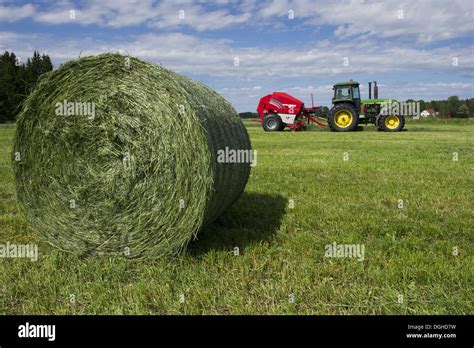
<point x="279" y="110"/>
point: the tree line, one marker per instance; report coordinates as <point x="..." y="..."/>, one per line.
<point x="17" y="79"/>
<point x="452" y="107"/>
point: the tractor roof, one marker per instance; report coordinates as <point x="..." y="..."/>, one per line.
<point x="346" y="83"/>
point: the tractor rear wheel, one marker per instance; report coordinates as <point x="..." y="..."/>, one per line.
<point x="391" y="123"/>
<point x="342" y="118"/>
<point x="272" y="123"/>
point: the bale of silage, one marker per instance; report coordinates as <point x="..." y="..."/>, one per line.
<point x="113" y="155"/>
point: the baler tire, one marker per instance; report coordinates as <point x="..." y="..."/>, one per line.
<point x="277" y="121"/>
<point x="349" y="109"/>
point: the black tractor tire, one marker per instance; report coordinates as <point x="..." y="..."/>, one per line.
<point x="391" y="123"/>
<point x="335" y="119"/>
<point x="272" y="123"/>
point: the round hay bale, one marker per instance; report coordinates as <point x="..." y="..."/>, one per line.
<point x="113" y="155"/>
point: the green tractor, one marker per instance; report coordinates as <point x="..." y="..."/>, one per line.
<point x="348" y="110"/>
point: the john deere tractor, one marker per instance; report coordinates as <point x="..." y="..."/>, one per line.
<point x="348" y="110"/>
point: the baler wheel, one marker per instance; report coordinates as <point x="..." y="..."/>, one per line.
<point x="272" y="123"/>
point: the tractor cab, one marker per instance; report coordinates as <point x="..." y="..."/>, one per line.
<point x="347" y="92"/>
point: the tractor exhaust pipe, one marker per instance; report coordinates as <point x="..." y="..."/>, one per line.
<point x="376" y="90"/>
<point x="370" y="90"/>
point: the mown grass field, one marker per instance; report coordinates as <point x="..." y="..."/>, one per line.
<point x="409" y="266"/>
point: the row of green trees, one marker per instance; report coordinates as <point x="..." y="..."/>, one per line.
<point x="453" y="106"/>
<point x="17" y="79"/>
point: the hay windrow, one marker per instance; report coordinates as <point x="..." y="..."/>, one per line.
<point x="138" y="178"/>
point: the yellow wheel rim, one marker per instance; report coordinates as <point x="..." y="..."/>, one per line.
<point x="343" y="119"/>
<point x="392" y="122"/>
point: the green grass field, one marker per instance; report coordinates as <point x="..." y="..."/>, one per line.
<point x="301" y="196"/>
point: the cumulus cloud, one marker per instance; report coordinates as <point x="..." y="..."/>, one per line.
<point x="15" y="13"/>
<point x="217" y="58"/>
<point x="165" y="14"/>
<point x="268" y="68"/>
<point x="425" y="21"/>
<point x="174" y="14"/>
<point x="111" y="13"/>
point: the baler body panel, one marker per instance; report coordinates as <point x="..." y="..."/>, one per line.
<point x="279" y="103"/>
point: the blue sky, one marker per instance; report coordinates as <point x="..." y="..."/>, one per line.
<point x="414" y="49"/>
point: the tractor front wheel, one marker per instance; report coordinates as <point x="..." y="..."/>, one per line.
<point x="391" y="123"/>
<point x="273" y="123"/>
<point x="342" y="118"/>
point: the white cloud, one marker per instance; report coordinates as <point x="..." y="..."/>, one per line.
<point x="15" y="13"/>
<point x="432" y="90"/>
<point x="215" y="58"/>
<point x="276" y="8"/>
<point x="425" y="21"/>
<point x="263" y="69"/>
<point x="112" y="13"/>
<point x="125" y="13"/>
<point x="174" y="14"/>
<point x="20" y="44"/>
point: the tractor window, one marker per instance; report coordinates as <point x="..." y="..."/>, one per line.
<point x="355" y="92"/>
<point x="343" y="92"/>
